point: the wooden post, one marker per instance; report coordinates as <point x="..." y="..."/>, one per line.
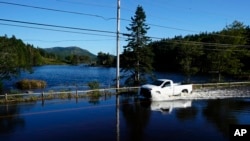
<point x="76" y="93"/>
<point x="42" y="95"/>
<point x="76" y="96"/>
<point x="6" y="97"/>
<point x="42" y="98"/>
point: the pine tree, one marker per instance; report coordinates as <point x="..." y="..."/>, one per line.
<point x="137" y="56"/>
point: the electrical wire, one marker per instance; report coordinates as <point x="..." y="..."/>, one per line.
<point x="49" y="29"/>
<point x="72" y="40"/>
<point x="205" y="43"/>
<point x="124" y="34"/>
<point x="58" y="26"/>
<point x="57" y="10"/>
<point x="105" y="18"/>
<point x="85" y="3"/>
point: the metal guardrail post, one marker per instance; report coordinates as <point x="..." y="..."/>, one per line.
<point x="6" y="97"/>
<point x="76" y="93"/>
<point x="42" y="95"/>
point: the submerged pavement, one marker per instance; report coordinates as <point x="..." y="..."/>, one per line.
<point x="215" y="93"/>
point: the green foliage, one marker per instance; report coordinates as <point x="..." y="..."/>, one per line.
<point x="188" y="56"/>
<point x="106" y="60"/>
<point x="136" y="59"/>
<point x="16" y="56"/>
<point x="224" y="52"/>
<point x="94" y="85"/>
<point x="94" y="95"/>
<point x="71" y="54"/>
<point x="30" y="84"/>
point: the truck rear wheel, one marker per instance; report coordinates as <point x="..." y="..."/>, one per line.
<point x="184" y="92"/>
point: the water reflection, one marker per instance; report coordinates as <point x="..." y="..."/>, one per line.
<point x="168" y="106"/>
<point x="123" y="117"/>
<point x="9" y="119"/>
<point x="222" y="113"/>
<point x="136" y="116"/>
<point x="138" y="112"/>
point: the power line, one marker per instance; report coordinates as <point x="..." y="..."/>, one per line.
<point x="124" y="34"/>
<point x="58" y="41"/>
<point x="85" y="14"/>
<point x="57" y="10"/>
<point x="205" y="44"/>
<point x="49" y="29"/>
<point x="87" y="3"/>
<point x="105" y="18"/>
<point x="58" y="26"/>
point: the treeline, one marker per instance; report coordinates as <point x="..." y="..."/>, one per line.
<point x="224" y="52"/>
<point x="106" y="60"/>
<point x="77" y="59"/>
<point x="16" y="55"/>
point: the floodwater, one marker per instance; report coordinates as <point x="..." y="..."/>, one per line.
<point x="126" y="118"/>
<point x="123" y="118"/>
<point x="68" y="77"/>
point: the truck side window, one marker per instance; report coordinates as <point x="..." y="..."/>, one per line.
<point x="167" y="84"/>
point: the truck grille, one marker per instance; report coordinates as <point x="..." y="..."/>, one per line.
<point x="145" y="92"/>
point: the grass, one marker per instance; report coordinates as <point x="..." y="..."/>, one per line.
<point x="27" y="84"/>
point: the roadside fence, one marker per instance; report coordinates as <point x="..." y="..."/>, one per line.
<point x="95" y="93"/>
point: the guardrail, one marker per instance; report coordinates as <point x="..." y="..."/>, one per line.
<point x="22" y="97"/>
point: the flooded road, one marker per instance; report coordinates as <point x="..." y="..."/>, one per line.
<point x="122" y="119"/>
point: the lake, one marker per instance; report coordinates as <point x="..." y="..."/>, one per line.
<point x="65" y="77"/>
<point x="122" y="119"/>
<point x="68" y="77"/>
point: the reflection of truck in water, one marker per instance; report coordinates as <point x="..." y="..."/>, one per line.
<point x="162" y="89"/>
<point x="168" y="106"/>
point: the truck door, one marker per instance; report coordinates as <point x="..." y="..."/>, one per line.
<point x="167" y="88"/>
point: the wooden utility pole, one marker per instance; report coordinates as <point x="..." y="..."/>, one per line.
<point x="118" y="46"/>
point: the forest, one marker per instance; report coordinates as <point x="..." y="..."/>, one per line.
<point x="220" y="53"/>
<point x="225" y="52"/>
<point x="16" y="55"/>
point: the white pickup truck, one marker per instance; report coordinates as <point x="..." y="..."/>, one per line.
<point x="162" y="89"/>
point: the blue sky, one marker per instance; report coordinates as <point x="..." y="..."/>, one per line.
<point x="166" y="19"/>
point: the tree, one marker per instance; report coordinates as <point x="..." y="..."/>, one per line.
<point x="188" y="59"/>
<point x="137" y="56"/>
<point x="12" y="57"/>
<point x="165" y="54"/>
<point x="226" y="54"/>
<point x="106" y="60"/>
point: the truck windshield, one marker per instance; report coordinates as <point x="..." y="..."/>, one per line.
<point x="157" y="83"/>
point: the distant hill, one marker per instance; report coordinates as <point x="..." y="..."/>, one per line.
<point x="63" y="52"/>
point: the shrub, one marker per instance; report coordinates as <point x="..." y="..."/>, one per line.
<point x="30" y="84"/>
<point x="93" y="85"/>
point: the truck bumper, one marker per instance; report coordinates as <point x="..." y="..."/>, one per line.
<point x="145" y="93"/>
